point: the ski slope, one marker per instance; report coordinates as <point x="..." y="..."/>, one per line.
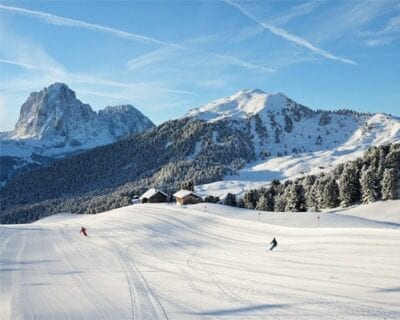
<point x="162" y="261"/>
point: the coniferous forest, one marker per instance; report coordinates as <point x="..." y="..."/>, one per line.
<point x="372" y="177"/>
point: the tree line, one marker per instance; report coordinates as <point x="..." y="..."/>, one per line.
<point x="372" y="177"/>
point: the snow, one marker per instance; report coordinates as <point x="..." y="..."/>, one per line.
<point x="184" y="193"/>
<point x="162" y="261"/>
<point x="53" y="123"/>
<point x="382" y="130"/>
<point x="239" y="105"/>
<point x="306" y="147"/>
<point x="151" y="192"/>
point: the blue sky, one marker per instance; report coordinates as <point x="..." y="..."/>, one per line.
<point x="165" y="57"/>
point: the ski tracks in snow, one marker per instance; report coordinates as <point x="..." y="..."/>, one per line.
<point x="145" y="304"/>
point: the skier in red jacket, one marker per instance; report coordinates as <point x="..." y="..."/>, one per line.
<point x="83" y="231"/>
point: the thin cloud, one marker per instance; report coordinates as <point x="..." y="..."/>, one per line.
<point x="244" y="64"/>
<point x="79" y="78"/>
<point x="290" y="37"/>
<point x="392" y="27"/>
<point x="298" y="11"/>
<point x="150" y="58"/>
<point x="28" y="65"/>
<point x="61" y="21"/>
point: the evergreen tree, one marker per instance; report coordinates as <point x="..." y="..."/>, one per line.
<point x="250" y="199"/>
<point x="280" y="203"/>
<point x="390" y="184"/>
<point x="369" y="185"/>
<point x="349" y="185"/>
<point x="262" y="203"/>
<point x="230" y="200"/>
<point x="295" y="198"/>
<point x="270" y="200"/>
<point x="240" y="203"/>
<point x="330" y="194"/>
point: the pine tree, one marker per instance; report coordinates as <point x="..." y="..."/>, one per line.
<point x="390" y="184"/>
<point x="250" y="199"/>
<point x="295" y="198"/>
<point x="369" y="185"/>
<point x="280" y="203"/>
<point x="262" y="203"/>
<point x="393" y="158"/>
<point x="330" y="194"/>
<point x="240" y="203"/>
<point x="230" y="200"/>
<point x="270" y="200"/>
<point x="349" y="185"/>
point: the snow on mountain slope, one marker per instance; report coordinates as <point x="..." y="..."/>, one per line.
<point x="169" y="262"/>
<point x="239" y="105"/>
<point x="290" y="139"/>
<point x="54" y="123"/>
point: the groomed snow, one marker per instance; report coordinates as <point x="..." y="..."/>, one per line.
<point x="162" y="261"/>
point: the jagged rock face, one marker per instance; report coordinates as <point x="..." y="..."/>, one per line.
<point x="56" y="114"/>
<point x="124" y="120"/>
<point x="53" y="121"/>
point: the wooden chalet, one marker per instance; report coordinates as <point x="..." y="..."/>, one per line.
<point x="187" y="197"/>
<point x="154" y="196"/>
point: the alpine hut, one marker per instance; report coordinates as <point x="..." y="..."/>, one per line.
<point x="187" y="197"/>
<point x="154" y="196"/>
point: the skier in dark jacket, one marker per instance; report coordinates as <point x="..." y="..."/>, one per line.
<point x="83" y="231"/>
<point x="274" y="244"/>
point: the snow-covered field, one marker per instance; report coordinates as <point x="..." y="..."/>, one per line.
<point x="160" y="261"/>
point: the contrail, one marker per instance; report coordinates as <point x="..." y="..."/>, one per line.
<point x="290" y="37"/>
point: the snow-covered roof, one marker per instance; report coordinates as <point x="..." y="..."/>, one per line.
<point x="151" y="192"/>
<point x="185" y="193"/>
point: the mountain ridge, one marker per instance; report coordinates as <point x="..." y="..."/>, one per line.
<point x="53" y="123"/>
<point x="195" y="149"/>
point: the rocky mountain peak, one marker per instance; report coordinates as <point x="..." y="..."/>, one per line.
<point x="51" y="112"/>
<point x="54" y="121"/>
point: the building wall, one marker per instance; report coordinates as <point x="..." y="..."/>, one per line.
<point x="190" y="199"/>
<point x="158" y="197"/>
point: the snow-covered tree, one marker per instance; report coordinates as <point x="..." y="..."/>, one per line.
<point x="295" y="198"/>
<point x="280" y="203"/>
<point x="250" y="199"/>
<point x="262" y="203"/>
<point x="330" y="193"/>
<point x="390" y="184"/>
<point x="369" y="185"/>
<point x="349" y="185"/>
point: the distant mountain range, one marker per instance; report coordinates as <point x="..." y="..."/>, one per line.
<point x="210" y="143"/>
<point x="54" y="123"/>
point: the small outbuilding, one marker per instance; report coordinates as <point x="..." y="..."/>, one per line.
<point x="154" y="196"/>
<point x="187" y="197"/>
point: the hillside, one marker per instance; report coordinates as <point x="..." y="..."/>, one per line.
<point x="172" y="262"/>
<point x="239" y="138"/>
<point x="53" y="123"/>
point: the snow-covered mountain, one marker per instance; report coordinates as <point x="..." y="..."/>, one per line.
<point x="290" y="139"/>
<point x="53" y="123"/>
<point x="281" y="126"/>
<point x="230" y="145"/>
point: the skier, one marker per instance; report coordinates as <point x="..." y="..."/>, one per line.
<point x="274" y="244"/>
<point x="83" y="231"/>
